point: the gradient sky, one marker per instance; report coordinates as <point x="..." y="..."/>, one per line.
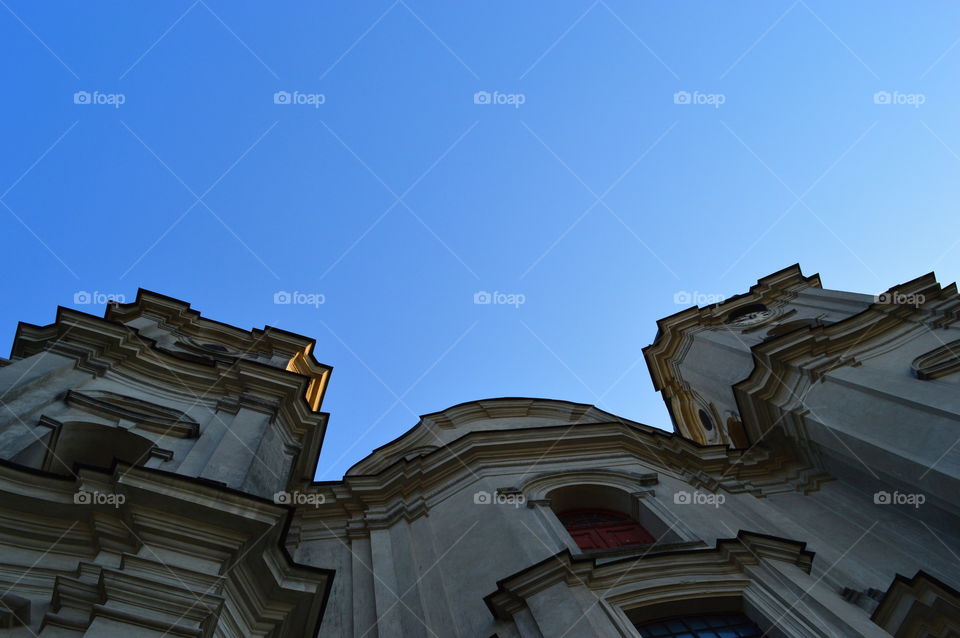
<point x="817" y="132"/>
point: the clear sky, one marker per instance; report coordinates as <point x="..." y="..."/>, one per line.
<point x="598" y="164"/>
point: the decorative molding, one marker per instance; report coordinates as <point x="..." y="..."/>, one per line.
<point x="937" y="363"/>
<point x="49" y="422"/>
<point x="99" y="345"/>
<point x="866" y="599"/>
<point x="539" y="485"/>
<point x="448" y="470"/>
<point x="161" y="453"/>
<point x="919" y="607"/>
<point x="814" y="352"/>
<point x="198" y="529"/>
<point x="431" y="431"/>
<point x="14" y="611"/>
<point x="675" y="337"/>
<point x="146" y="415"/>
<point x="631" y="582"/>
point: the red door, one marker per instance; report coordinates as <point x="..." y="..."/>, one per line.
<point x="603" y="529"/>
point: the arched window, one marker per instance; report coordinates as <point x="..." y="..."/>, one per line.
<point x="603" y="529"/>
<point x="704" y="626"/>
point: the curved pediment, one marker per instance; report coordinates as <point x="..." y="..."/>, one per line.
<point x="148" y="416"/>
<point x="440" y="428"/>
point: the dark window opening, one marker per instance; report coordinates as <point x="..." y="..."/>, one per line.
<point x="705" y="420"/>
<point x="215" y="347"/>
<point x="746" y="310"/>
<point x="604" y="529"/>
<point x="86" y="443"/>
<point x="706" y="626"/>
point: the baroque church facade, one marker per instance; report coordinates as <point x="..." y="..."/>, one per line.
<point x="157" y="480"/>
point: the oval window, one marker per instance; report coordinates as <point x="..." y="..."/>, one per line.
<point x="705" y="420"/>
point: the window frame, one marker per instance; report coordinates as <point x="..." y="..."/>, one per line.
<point x="604" y="533"/>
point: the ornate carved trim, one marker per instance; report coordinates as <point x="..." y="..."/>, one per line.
<point x="939" y="362"/>
<point x="148" y="416"/>
<point x="919" y="607"/>
<point x="636" y="581"/>
<point x="675" y="336"/>
<point x="432" y="429"/>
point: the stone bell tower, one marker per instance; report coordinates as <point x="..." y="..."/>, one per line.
<point x="154" y="384"/>
<point x="861" y="386"/>
<point x="140" y="457"/>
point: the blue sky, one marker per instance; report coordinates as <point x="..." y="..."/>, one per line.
<point x="600" y="165"/>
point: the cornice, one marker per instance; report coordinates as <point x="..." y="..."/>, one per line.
<point x="191" y="516"/>
<point x="770" y="289"/>
<point x="784" y="366"/>
<point x="407" y="487"/>
<point x="179" y="318"/>
<point x="513" y="407"/>
<point x="179" y="315"/>
<point x="918" y="605"/>
<point x="804" y="356"/>
<point x="724" y="562"/>
<point x="675" y="333"/>
<point x="422" y="437"/>
<point x="149" y="416"/>
<point x="100" y="346"/>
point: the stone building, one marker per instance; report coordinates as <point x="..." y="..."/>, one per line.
<point x="157" y="481"/>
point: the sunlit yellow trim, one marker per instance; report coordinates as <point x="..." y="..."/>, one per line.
<point x="302" y="364"/>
